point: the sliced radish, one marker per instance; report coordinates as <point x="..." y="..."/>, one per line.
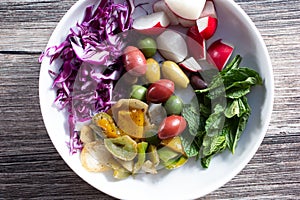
<point x="152" y="24"/>
<point x="207" y="26"/>
<point x="187" y="9"/>
<point x="191" y="65"/>
<point x="186" y="23"/>
<point x="161" y="6"/>
<point x="172" y="46"/>
<point x="196" y="44"/>
<point x="219" y="53"/>
<point x="209" y="10"/>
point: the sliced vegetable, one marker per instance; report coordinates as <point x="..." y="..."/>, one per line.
<point x="191" y="9"/>
<point x="87" y="135"/>
<point x="122" y="147"/>
<point x="95" y="43"/>
<point x="207" y="26"/>
<point x="165" y="154"/>
<point x="107" y="124"/>
<point x="141" y="149"/>
<point x="176" y="163"/>
<point x="95" y="157"/>
<point x="219" y="53"/>
<point x="174" y="144"/>
<point x="196" y="43"/>
<point x="160" y="6"/>
<point x="152" y="24"/>
<point x="153" y="155"/>
<point x="191" y="65"/>
<point x="172" y="46"/>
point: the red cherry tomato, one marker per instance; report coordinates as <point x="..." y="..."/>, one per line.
<point x="160" y="91"/>
<point x="172" y="126"/>
<point x="134" y="61"/>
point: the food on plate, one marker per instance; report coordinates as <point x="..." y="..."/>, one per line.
<point x="151" y="24"/>
<point x="177" y="99"/>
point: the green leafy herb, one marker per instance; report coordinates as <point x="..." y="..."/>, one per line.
<point x="191" y="114"/>
<point x="224" y="122"/>
<point x="211" y="146"/>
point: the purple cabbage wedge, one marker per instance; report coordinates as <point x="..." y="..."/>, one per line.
<point x="91" y="63"/>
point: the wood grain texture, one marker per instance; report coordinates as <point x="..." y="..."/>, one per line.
<point x="30" y="167"/>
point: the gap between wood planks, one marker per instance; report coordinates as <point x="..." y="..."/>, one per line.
<point x="21" y="52"/>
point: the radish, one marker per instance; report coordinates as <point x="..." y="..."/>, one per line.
<point x="186" y="23"/>
<point x="152" y="24"/>
<point x="191" y="65"/>
<point x="209" y="10"/>
<point x="207" y="26"/>
<point x="160" y="6"/>
<point x="187" y="9"/>
<point x="219" y="53"/>
<point x="172" y="46"/>
<point x="196" y="44"/>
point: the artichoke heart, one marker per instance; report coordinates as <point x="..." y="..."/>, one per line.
<point x="123" y="147"/>
<point x="106" y="123"/>
<point x="130" y="117"/>
<point x="141" y="147"/>
<point x="174" y="144"/>
<point x="95" y="157"/>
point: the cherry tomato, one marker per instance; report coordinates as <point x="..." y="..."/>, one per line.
<point x="134" y="61"/>
<point x="172" y="126"/>
<point x="160" y="91"/>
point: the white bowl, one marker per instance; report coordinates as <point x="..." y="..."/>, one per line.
<point x="190" y="181"/>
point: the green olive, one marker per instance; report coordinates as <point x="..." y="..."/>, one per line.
<point x="148" y="47"/>
<point x="174" y="105"/>
<point x="138" y="92"/>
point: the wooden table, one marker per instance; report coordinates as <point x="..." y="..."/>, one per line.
<point x="30" y="167"/>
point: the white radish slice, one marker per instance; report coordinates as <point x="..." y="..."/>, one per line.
<point x="196" y="44"/>
<point x="160" y="6"/>
<point x="191" y="65"/>
<point x="219" y="53"/>
<point x="152" y="24"/>
<point x="186" y="23"/>
<point x="207" y="26"/>
<point x="209" y="10"/>
<point x="187" y="9"/>
<point x="172" y="46"/>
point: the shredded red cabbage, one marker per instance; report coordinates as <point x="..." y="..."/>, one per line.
<point x="91" y="63"/>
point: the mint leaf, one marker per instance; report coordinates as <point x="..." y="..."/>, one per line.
<point x="212" y="146"/>
<point x="215" y="121"/>
<point x="191" y="114"/>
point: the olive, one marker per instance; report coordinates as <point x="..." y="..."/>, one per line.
<point x="172" y="126"/>
<point x="173" y="72"/>
<point x="153" y="70"/>
<point x="160" y="91"/>
<point x="148" y="47"/>
<point x="134" y="61"/>
<point x="174" y="105"/>
<point x="197" y="83"/>
<point x="138" y="92"/>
